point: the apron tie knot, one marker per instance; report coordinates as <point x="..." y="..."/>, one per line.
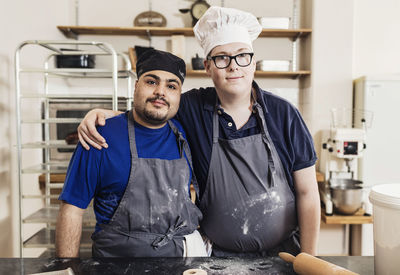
<point x="163" y="240"/>
<point x="167" y="237"/>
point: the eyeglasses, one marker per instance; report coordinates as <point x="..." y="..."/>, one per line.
<point x="223" y="61"/>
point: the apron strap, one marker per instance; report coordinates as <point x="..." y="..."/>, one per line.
<point x="131" y="133"/>
<point x="182" y="144"/>
<point x="184" y="147"/>
<point x="215" y="121"/>
<point x="264" y="132"/>
<point x="267" y="139"/>
<point x="179" y="137"/>
<point x="215" y="126"/>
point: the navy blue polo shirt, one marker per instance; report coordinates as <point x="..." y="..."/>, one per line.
<point x="286" y="127"/>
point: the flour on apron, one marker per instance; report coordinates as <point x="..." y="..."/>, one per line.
<point x="155" y="212"/>
<point x="247" y="204"/>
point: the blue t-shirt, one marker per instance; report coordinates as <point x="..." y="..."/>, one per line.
<point x="104" y="174"/>
<point x="286" y="127"/>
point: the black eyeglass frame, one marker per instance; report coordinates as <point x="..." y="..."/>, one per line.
<point x="230" y="59"/>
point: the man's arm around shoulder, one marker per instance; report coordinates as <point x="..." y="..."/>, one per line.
<point x="68" y="230"/>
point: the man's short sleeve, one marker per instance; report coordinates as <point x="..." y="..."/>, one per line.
<point x="303" y="144"/>
<point x="82" y="177"/>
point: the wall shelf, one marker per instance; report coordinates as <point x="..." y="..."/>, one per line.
<point x="293" y="34"/>
<point x="74" y="31"/>
<point x="264" y="74"/>
<point x="357" y="218"/>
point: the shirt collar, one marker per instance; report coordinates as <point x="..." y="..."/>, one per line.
<point x="210" y="101"/>
<point x="260" y="98"/>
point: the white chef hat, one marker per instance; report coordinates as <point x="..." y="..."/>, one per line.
<point x="220" y="26"/>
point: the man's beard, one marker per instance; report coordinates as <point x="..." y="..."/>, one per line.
<point x="156" y="116"/>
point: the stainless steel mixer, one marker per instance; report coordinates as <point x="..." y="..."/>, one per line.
<point x="341" y="192"/>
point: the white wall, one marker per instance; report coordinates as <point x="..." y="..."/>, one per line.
<point x="19" y="20"/>
<point x="376" y="37"/>
<point x="331" y="87"/>
<point x="37" y="20"/>
<point x="331" y="78"/>
<point x="376" y="52"/>
<point x="350" y="38"/>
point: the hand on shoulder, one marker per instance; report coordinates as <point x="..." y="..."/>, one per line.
<point x="87" y="132"/>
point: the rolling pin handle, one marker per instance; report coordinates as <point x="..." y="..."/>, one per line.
<point x="287" y="257"/>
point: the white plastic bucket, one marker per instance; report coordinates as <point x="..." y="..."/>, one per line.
<point x="385" y="199"/>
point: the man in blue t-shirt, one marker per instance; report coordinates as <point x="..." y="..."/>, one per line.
<point x="140" y="184"/>
<point x="253" y="155"/>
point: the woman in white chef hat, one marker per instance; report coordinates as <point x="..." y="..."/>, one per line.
<point x="253" y="155"/>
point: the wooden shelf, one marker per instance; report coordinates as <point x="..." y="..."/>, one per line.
<point x="54" y="178"/>
<point x="320" y="176"/>
<point x="73" y="31"/>
<point x="357" y="218"/>
<point x="265" y="74"/>
<point x="295" y="74"/>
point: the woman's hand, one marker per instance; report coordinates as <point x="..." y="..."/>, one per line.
<point x="87" y="132"/>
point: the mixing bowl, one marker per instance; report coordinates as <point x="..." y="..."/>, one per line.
<point x="346" y="194"/>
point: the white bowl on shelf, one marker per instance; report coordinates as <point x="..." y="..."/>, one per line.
<point x="273" y="65"/>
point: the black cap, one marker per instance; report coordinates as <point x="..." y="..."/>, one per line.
<point x="153" y="59"/>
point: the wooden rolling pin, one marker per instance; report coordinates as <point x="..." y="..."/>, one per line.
<point x="67" y="271"/>
<point x="305" y="264"/>
<point x="194" y="272"/>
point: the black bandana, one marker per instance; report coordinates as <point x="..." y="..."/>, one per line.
<point x="152" y="60"/>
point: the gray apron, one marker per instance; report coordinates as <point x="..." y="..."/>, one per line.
<point x="248" y="206"/>
<point x="155" y="211"/>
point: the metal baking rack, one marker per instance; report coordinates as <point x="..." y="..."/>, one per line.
<point x="37" y="222"/>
